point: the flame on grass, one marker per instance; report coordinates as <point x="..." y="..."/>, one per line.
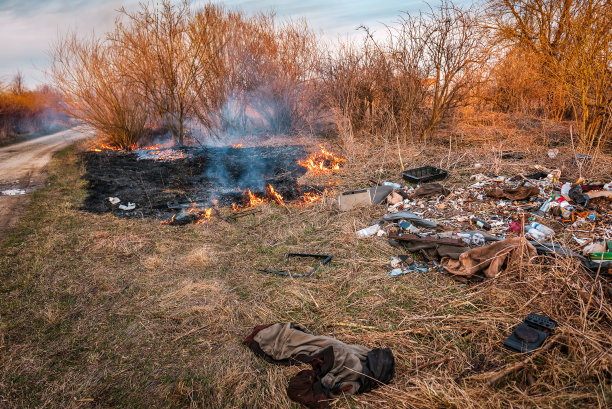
<point x="274" y="195"/>
<point x="104" y="147"/>
<point x="252" y="200"/>
<point x="322" y="162"/>
<point x="238" y="145"/>
<point x="310" y="197"/>
<point x="157" y="151"/>
<point x="203" y="214"/>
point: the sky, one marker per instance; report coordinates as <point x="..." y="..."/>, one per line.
<point x="29" y="27"/>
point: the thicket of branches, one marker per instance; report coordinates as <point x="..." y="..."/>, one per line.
<point x="26" y="111"/>
<point x="178" y="69"/>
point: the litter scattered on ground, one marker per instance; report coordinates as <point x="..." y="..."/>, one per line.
<point x="363" y="197"/>
<point x="424" y="174"/>
<point x="530" y="334"/>
<point x="13" y="192"/>
<point x="482" y="227"/>
<point x="337" y="368"/>
<point x="128" y="207"/>
<point x="114" y="200"/>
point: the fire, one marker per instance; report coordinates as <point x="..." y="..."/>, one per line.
<point x="104" y="147"/>
<point x="205" y="216"/>
<point x="310" y="197"/>
<point x="322" y="162"/>
<point x="150" y="148"/>
<point x="239" y="145"/>
<point x="253" y="200"/>
<point x="274" y="195"/>
<point x="169" y="221"/>
<point x="157" y="151"/>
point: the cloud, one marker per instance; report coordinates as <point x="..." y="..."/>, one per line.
<point x="28" y="28"/>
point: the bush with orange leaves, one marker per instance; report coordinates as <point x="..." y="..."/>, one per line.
<point x="24" y="111"/>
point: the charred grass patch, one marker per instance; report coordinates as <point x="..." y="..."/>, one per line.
<point x="98" y="311"/>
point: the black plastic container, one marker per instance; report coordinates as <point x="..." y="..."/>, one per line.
<point x="424" y="174"/>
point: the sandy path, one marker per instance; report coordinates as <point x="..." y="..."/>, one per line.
<point x="22" y="167"/>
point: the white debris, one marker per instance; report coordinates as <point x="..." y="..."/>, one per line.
<point x="114" y="200"/>
<point x="130" y="206"/>
<point x="369" y="231"/>
<point x="13" y="192"/>
<point x="552" y="153"/>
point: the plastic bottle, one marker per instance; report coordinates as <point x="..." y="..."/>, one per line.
<point x="545" y="206"/>
<point x="481" y="223"/>
<point x="536" y="234"/>
<point x="547" y="231"/>
<point x="409" y="227"/>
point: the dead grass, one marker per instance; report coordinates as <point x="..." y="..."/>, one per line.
<point x="104" y="312"/>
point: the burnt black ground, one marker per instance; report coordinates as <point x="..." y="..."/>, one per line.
<point x="203" y="175"/>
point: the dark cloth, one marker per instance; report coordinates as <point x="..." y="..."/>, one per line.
<point x="579" y="197"/>
<point x="431" y="190"/>
<point x="432" y="248"/>
<point x="519" y="193"/>
<point x="337" y="368"/>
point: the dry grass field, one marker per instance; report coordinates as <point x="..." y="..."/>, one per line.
<point x="97" y="311"/>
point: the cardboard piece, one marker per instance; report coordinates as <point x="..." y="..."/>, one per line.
<point x="363" y="197"/>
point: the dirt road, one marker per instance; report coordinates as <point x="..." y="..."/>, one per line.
<point x="22" y="169"/>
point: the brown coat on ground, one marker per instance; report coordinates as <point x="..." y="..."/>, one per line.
<point x="489" y="259"/>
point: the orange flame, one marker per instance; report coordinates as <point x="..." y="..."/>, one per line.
<point x="274" y="195"/>
<point x="238" y="145"/>
<point x="205" y="216"/>
<point x="169" y="221"/>
<point x="104" y="147"/>
<point x="253" y="200"/>
<point x="310" y="197"/>
<point x="323" y="162"/>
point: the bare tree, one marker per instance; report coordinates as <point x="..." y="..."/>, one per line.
<point x="572" y="43"/>
<point x="172" y="58"/>
<point x="95" y="91"/>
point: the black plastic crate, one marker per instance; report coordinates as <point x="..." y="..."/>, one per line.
<point x="424" y="174"/>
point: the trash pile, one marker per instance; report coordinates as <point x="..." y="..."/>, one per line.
<point x="481" y="227"/>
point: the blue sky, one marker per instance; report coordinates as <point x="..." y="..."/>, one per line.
<point x="27" y="27"/>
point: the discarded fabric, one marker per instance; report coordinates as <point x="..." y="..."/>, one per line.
<point x="489" y="259"/>
<point x="337" y="368"/>
<point x="431" y="190"/>
<point x="519" y="193"/>
<point x="433" y="248"/>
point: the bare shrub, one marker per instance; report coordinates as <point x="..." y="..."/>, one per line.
<point x="570" y="42"/>
<point x="425" y="68"/>
<point x="172" y="58"/>
<point x="96" y="91"/>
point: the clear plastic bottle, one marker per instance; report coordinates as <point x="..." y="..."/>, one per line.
<point x="547" y="231"/>
<point x="536" y="234"/>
